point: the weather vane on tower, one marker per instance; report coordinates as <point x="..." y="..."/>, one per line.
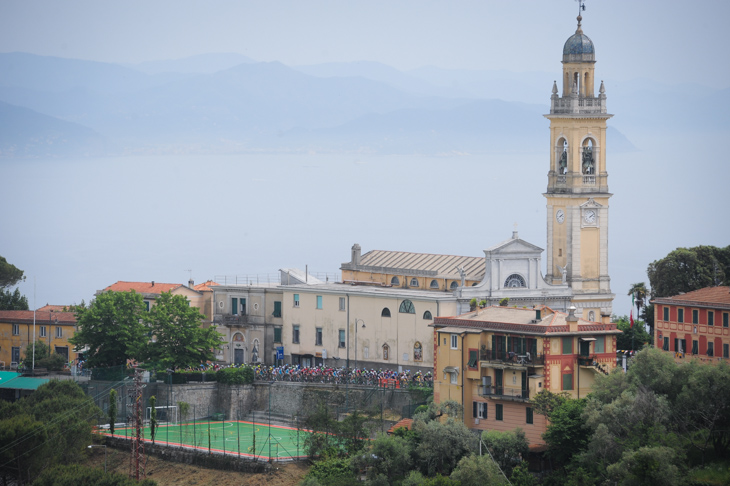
<point x="581" y="6"/>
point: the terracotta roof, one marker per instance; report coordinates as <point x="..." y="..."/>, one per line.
<point x="706" y="296"/>
<point x="403" y="262"/>
<point x="142" y="287"/>
<point x="205" y="285"/>
<point x="53" y="308"/>
<point x="41" y="317"/>
<point x="405" y="423"/>
<point x="511" y="319"/>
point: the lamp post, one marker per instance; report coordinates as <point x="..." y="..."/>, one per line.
<point x="363" y="325"/>
<point x="89" y="447"/>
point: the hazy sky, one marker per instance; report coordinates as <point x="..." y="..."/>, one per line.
<point x="674" y="41"/>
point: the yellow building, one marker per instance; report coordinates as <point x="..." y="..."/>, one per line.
<point x="17" y="330"/>
<point x="494" y="360"/>
<point x="577" y="193"/>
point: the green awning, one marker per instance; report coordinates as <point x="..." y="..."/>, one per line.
<point x="23" y="383"/>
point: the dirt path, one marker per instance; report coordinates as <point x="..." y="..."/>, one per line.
<point x="169" y="473"/>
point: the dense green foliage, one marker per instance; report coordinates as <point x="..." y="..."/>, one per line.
<point x="235" y="376"/>
<point x="9" y="274"/>
<point x="51" y="426"/>
<point x="509" y="449"/>
<point x="43" y="357"/>
<point x="179" y="340"/>
<point x="153" y="418"/>
<point x="650" y="425"/>
<point x="112" y="329"/>
<point x="75" y="475"/>
<point x="688" y="269"/>
<point x="13" y="300"/>
<point x="633" y="337"/>
<point x="112" y="410"/>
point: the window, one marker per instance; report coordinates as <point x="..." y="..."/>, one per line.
<point x="666" y="313"/>
<point x="666" y="344"/>
<point x="514" y="281"/>
<point x="726" y="350"/>
<point x="479" y="410"/>
<point x="695" y="316"/>
<point x="147" y="305"/>
<point x="567" y="345"/>
<point x="319" y="302"/>
<point x="454" y="285"/>
<point x="454" y="378"/>
<point x="386" y="352"/>
<point x="498" y="412"/>
<point x="568" y="381"/>
<point x="59" y="332"/>
<point x="710" y="318"/>
<point x="342" y="338"/>
<point x="385" y="313"/>
<point x="395" y="281"/>
<point x="43" y="331"/>
<point x="406" y="307"/>
<point x="234" y="306"/>
<point x="710" y="349"/>
<point x="16" y="329"/>
<point x="277" y="308"/>
<point x="295" y="334"/>
<point x="318" y="337"/>
<point x="473" y="358"/>
<point x="427" y="315"/>
<point x="680" y="345"/>
<point x="296" y="300"/>
<point x="366" y="352"/>
<point x="414" y="282"/>
<point x="725" y="319"/>
<point x="434" y="284"/>
<point x="599" y="346"/>
<point x="695" y="347"/>
<point x="342" y="303"/>
<point x="277" y="334"/>
<point x="417" y="352"/>
<point x="454" y="341"/>
<point x="15" y="354"/>
<point x="680" y="315"/>
<point x="529" y="419"/>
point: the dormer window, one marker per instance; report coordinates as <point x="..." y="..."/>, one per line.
<point x="395" y="281"/>
<point x="414" y="282"/>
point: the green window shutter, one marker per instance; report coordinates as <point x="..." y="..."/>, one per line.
<point x="599" y="346"/>
<point x="666" y="313"/>
<point x="568" y="381"/>
<point x="277" y="334"/>
<point x="528" y="415"/>
<point x="474" y="409"/>
<point x="473" y="357"/>
<point x="319" y="302"/>
<point x="725" y="319"/>
<point x="234" y="306"/>
<point x="498" y="411"/>
<point x="567" y="345"/>
<point x="710" y="318"/>
<point x="277" y="308"/>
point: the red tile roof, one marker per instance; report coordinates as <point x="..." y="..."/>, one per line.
<point x="142" y="287"/>
<point x="53" y="308"/>
<point x="707" y="296"/>
<point x="405" y="423"/>
<point x="41" y="317"/>
<point x="205" y="285"/>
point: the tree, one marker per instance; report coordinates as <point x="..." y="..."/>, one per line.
<point x="388" y="455"/>
<point x="475" y="470"/>
<point x="647" y="465"/>
<point x="9" y="274"/>
<point x="442" y="445"/>
<point x="632" y="337"/>
<point x="153" y="417"/>
<point x="567" y="435"/>
<point x="111" y="328"/>
<point x="179" y="340"/>
<point x="112" y="410"/>
<point x="509" y="449"/>
<point x="41" y="351"/>
<point x="13" y="300"/>
<point x="688" y="269"/>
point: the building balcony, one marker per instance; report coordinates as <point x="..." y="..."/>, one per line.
<point x="492" y="356"/>
<point x="231" y="320"/>
<point x="504" y="393"/>
<point x="570" y="105"/>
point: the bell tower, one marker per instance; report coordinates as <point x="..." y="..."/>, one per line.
<point x="577" y="193"/>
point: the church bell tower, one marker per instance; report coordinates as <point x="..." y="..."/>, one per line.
<point x="577" y="193"/>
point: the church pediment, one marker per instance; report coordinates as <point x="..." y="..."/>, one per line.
<point x="513" y="247"/>
<point x="591" y="204"/>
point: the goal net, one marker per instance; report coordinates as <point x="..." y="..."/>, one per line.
<point x="165" y="415"/>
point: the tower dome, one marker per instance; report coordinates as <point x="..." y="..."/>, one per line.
<point x="578" y="47"/>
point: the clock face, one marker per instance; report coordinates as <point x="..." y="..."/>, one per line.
<point x="589" y="216"/>
<point x="560" y="216"/>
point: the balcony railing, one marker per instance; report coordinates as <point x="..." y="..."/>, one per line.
<point x="511" y="358"/>
<point x="230" y="320"/>
<point x="503" y="393"/>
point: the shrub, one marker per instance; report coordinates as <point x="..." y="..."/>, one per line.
<point x="235" y="376"/>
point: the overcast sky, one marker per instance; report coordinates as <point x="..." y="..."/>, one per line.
<point x="674" y="41"/>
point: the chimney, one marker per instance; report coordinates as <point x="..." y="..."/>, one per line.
<point x="572" y="319"/>
<point x="191" y="284"/>
<point x="153" y="283"/>
<point x="355" y="255"/>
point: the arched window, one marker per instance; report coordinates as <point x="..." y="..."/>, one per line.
<point x="562" y="157"/>
<point x="395" y="281"/>
<point x="427" y="315"/>
<point x="454" y="285"/>
<point x="475" y="284"/>
<point x="417" y="352"/>
<point x="385" y="313"/>
<point x="386" y="352"/>
<point x="588" y="159"/>
<point x="514" y="281"/>
<point x="414" y="282"/>
<point x="406" y="307"/>
<point x="434" y="284"/>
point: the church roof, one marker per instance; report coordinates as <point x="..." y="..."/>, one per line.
<point x="404" y="262"/>
<point x="578" y="47"/>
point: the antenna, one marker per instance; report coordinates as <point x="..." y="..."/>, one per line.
<point x="190" y="274"/>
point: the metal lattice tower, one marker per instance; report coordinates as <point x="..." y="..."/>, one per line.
<point x="137" y="460"/>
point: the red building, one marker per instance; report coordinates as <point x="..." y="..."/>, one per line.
<point x="695" y="324"/>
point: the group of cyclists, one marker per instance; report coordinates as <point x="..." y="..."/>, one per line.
<point x="342" y="376"/>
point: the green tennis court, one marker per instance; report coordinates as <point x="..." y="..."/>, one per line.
<point x="250" y="439"/>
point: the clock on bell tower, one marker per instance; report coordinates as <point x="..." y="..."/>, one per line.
<point x="577" y="193"/>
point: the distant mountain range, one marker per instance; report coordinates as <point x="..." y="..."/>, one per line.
<point x="229" y="103"/>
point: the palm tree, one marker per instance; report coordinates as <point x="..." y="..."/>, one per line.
<point x="640" y="293"/>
